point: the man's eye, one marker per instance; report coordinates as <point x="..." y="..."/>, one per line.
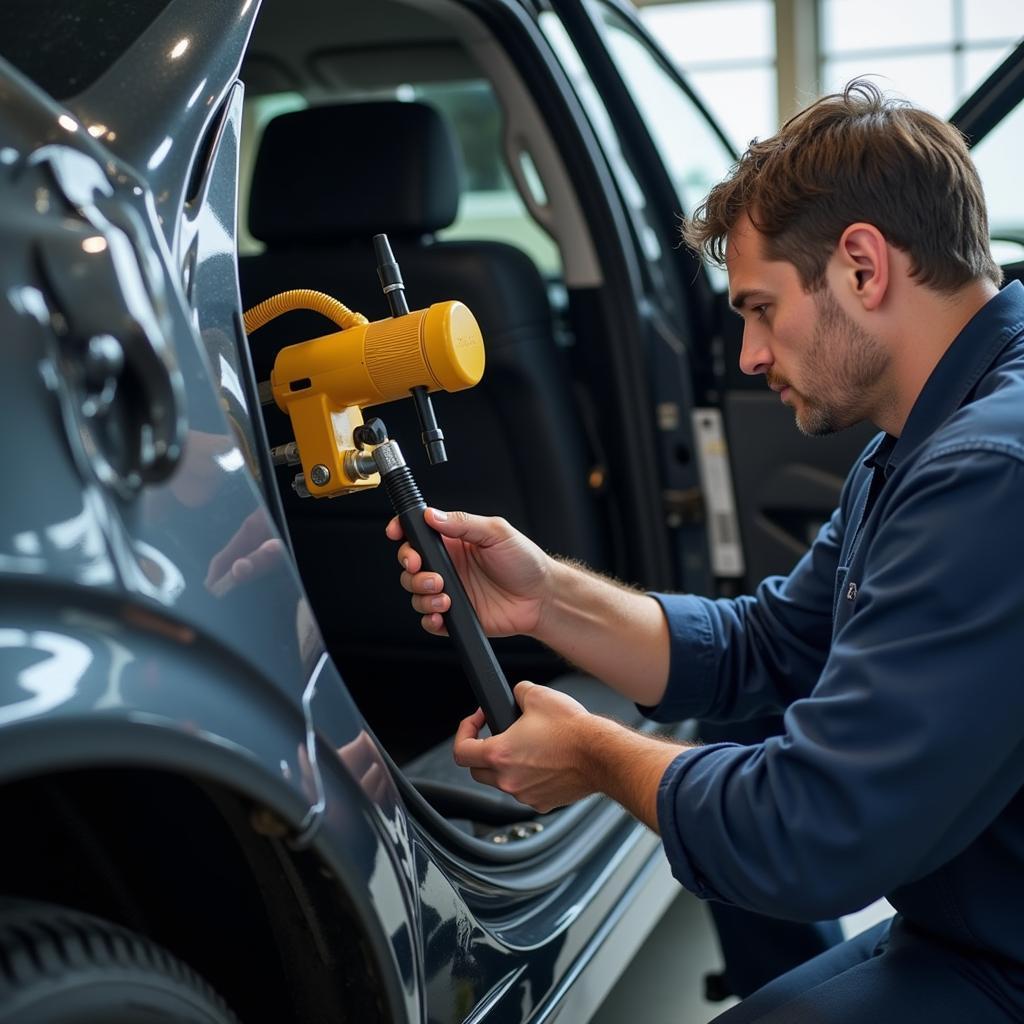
<point x="760" y="311"/>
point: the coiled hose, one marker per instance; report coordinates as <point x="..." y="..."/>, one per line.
<point x="301" y="298"/>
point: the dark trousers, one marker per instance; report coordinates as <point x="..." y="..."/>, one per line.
<point x="757" y="949"/>
<point x="869" y="978"/>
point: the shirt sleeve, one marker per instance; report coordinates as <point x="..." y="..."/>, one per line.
<point x="736" y="658"/>
<point x="910" y="744"/>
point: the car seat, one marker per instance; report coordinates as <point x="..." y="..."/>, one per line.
<point x="326" y="180"/>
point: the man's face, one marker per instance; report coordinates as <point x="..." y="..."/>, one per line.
<point x="810" y="350"/>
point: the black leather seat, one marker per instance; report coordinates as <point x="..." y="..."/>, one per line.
<point x="326" y="180"/>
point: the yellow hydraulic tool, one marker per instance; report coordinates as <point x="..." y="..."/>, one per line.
<point x="325" y="383"/>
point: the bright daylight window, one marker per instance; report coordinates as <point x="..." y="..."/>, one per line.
<point x="727" y="52"/>
<point x="934" y="52"/>
<point x="259" y="111"/>
<point x="695" y="156"/>
<point x="997" y="158"/>
<point x="489" y="208"/>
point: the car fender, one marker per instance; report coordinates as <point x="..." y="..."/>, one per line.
<point x="112" y="686"/>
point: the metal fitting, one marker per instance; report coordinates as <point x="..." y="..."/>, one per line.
<point x="285" y="454"/>
<point x="358" y="465"/>
<point x="299" y="486"/>
<point x="320" y="475"/>
<point x="388" y="457"/>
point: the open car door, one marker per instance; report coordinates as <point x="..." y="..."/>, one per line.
<point x="786" y="485"/>
<point x="993" y="121"/>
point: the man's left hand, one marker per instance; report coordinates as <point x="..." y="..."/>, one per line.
<point x="542" y="759"/>
<point x="558" y="752"/>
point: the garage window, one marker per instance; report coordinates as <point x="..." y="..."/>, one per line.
<point x="936" y="52"/>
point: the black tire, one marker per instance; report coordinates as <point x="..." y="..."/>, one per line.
<point x="60" y="966"/>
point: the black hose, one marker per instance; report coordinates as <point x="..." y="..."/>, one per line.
<point x="475" y="652"/>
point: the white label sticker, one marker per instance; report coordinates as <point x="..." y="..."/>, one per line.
<point x="716" y="481"/>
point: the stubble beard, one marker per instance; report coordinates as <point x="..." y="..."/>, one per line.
<point x="845" y="364"/>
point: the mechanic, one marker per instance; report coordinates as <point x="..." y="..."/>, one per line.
<point x="856" y="244"/>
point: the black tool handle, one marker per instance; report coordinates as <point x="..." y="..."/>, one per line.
<point x="475" y="652"/>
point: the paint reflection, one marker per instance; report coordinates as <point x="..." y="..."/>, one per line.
<point x="48" y="683"/>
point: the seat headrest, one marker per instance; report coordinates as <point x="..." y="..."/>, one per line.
<point x="354" y="169"/>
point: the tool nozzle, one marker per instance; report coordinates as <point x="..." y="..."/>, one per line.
<point x="390" y="276"/>
<point x="431" y="434"/>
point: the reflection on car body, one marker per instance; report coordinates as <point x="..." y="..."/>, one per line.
<point x="222" y="730"/>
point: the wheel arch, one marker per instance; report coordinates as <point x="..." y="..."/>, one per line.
<point x="209" y="873"/>
<point x="124" y="735"/>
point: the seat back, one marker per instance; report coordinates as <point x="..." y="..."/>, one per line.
<point x="515" y="443"/>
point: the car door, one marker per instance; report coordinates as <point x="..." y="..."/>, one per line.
<point x="641" y="111"/>
<point x="992" y="119"/>
<point x="776" y="483"/>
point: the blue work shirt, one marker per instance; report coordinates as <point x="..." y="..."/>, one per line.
<point x="896" y="649"/>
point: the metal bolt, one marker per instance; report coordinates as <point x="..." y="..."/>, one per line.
<point x="286" y="454"/>
<point x="320" y="475"/>
<point x="299" y="486"/>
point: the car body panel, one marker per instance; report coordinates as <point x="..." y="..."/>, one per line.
<point x="126" y="640"/>
<point x="90" y="556"/>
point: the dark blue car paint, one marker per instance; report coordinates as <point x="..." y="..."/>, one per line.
<point x="117" y="649"/>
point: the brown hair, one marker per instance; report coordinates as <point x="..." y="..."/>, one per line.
<point x="856" y="156"/>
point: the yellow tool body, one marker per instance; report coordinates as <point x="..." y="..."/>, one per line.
<point x="324" y="384"/>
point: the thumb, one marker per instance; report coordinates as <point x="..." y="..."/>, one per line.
<point x="480" y="530"/>
<point x="521" y="692"/>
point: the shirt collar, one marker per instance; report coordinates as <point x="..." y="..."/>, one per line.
<point x="955" y="375"/>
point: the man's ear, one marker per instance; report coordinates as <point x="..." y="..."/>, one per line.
<point x="863" y="263"/>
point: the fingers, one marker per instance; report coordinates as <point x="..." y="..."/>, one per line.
<point x="260" y="561"/>
<point x="487" y="776"/>
<point x="426" y="589"/>
<point x="426" y="604"/>
<point x="521" y="691"/>
<point x="359" y="754"/>
<point x="421" y="582"/>
<point x="254" y="531"/>
<point x="376" y="783"/>
<point x="480" y="530"/>
<point x="362" y="759"/>
<point x="472" y="529"/>
<point x="434" y="624"/>
<point x="409" y="558"/>
<point x="468" y="749"/>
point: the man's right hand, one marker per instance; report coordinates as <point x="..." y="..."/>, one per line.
<point x="506" y="576"/>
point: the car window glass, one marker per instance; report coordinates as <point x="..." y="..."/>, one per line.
<point x="694" y="154"/>
<point x="490" y="207"/>
<point x="604" y="128"/>
<point x="258" y="112"/>
<point x="997" y="157"/>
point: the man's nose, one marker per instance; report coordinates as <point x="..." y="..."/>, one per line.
<point x="755" y="354"/>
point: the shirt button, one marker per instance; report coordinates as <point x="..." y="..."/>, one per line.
<point x="851" y="592"/>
